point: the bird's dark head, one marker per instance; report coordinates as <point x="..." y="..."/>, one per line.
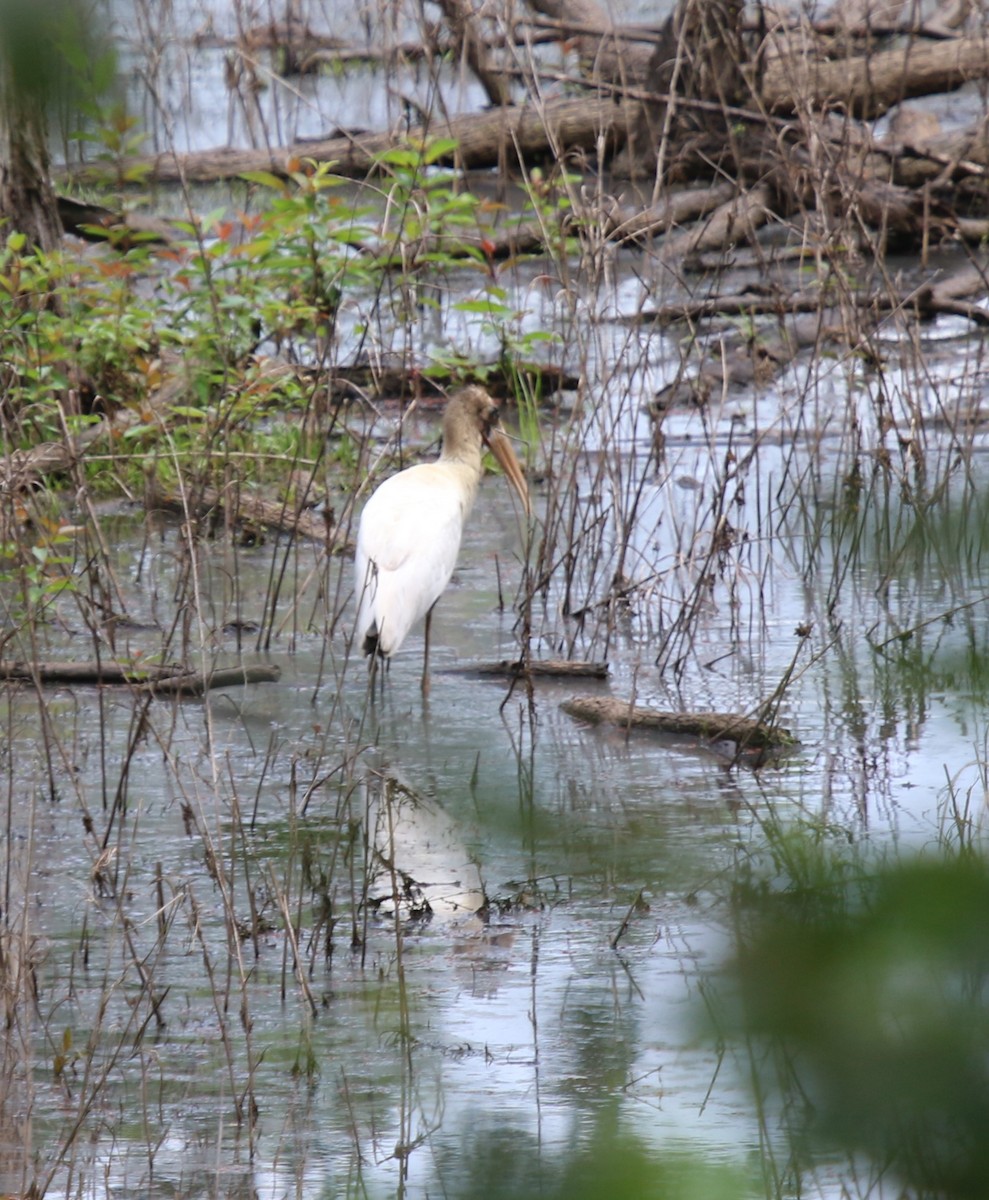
<point x="471" y="422"/>
<point x="471" y="412"/>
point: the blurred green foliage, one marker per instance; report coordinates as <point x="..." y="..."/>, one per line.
<point x="307" y="261"/>
<point x="53" y="52"/>
<point x="610" y="1163"/>
<point x="864" y="993"/>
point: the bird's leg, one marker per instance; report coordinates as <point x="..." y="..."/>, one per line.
<point x="425" y="656"/>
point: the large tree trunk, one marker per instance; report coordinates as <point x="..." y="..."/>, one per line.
<point x="696" y="75"/>
<point x="607" y="57"/>
<point x="27" y="198"/>
<point x="463" y="28"/>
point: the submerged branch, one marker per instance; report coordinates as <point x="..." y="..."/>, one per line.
<point x="535" y="668"/>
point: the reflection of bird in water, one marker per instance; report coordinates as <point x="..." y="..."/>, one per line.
<point x="421" y="867"/>
<point x="409" y="534"/>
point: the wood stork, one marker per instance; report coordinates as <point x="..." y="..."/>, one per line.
<point x="409" y="534"/>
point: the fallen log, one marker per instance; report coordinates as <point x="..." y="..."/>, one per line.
<point x="969" y="280"/>
<point x="123" y="230"/>
<point x="938" y="154"/>
<point x="194" y="683"/>
<point x="483" y="139"/>
<point x="546" y="668"/>
<point x="924" y="302"/>
<point x="713" y="727"/>
<point x="869" y="84"/>
<point x="22" y="469"/>
<point x="396" y="380"/>
<point x="235" y="507"/>
<point x="676" y="208"/>
<point x="736" y="220"/>
<point x="49" y="673"/>
<point x="158" y="679"/>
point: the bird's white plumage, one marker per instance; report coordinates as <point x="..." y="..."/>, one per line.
<point x="407" y="547"/>
<point x="409" y="534"/>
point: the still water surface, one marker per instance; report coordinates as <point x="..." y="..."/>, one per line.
<point x="228" y="1003"/>
<point x="386" y="1065"/>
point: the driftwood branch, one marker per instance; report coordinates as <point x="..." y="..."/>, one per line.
<point x="675" y="209"/>
<point x="736" y="220"/>
<point x="714" y="727"/>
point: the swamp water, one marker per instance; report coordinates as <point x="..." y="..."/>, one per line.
<point x="228" y="1000"/>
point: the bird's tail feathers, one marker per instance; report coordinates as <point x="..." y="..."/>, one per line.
<point x="372" y="642"/>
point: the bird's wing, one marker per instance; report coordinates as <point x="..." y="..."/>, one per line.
<point x="407" y="547"/>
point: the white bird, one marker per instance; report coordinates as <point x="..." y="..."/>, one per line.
<point x="409" y="535"/>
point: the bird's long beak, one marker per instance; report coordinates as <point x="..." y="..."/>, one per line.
<point x="501" y="448"/>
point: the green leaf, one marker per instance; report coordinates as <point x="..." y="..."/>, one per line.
<point x="400" y="156"/>
<point x="213" y="218"/>
<point x="137" y="431"/>
<point x="440" y="148"/>
<point x="264" y="179"/>
<point x="487" y="308"/>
